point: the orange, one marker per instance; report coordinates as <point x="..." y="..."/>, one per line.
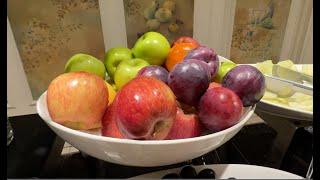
<point x="177" y="53"/>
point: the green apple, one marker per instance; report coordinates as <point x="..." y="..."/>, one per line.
<point x="224" y="68"/>
<point x="152" y="47"/>
<point x="127" y="70"/>
<point x="85" y="62"/>
<point x="113" y="58"/>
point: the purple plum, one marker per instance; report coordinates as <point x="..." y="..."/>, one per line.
<point x="247" y="82"/>
<point x="189" y="80"/>
<point x="207" y="55"/>
<point x="156" y="72"/>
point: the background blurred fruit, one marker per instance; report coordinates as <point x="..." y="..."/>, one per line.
<point x="87" y="63"/>
<point x="177" y="54"/>
<point x="219" y="108"/>
<point x="189" y="80"/>
<point x="163" y="15"/>
<point x="247" y="82"/>
<point x="185" y="126"/>
<point x="127" y="70"/>
<point x="152" y="47"/>
<point x="207" y="55"/>
<point x="186" y="39"/>
<point x="145" y="109"/>
<point x="113" y="58"/>
<point x="111" y="92"/>
<point x="77" y="100"/>
<point x="153" y="24"/>
<point x="169" y="4"/>
<point x="224" y="68"/>
<point x="173" y="27"/>
<point x="149" y="12"/>
<point x="155" y="71"/>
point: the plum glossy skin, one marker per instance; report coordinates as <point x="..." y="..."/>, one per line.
<point x="207" y="55"/>
<point x="145" y="109"/>
<point x="247" y="82"/>
<point x="219" y="108"/>
<point x="156" y="72"/>
<point x="189" y="80"/>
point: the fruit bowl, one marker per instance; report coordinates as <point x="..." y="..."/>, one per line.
<point x="137" y="152"/>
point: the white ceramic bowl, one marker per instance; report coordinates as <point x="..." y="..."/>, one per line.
<point x="140" y="153"/>
<point x="225" y="171"/>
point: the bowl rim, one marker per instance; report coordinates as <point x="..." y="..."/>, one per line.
<point x="244" y="118"/>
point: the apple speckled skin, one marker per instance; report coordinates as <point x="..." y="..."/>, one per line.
<point x="219" y="108"/>
<point x="127" y="70"/>
<point x="109" y="124"/>
<point x="185" y="126"/>
<point x="114" y="57"/>
<point x="247" y="82"/>
<point x="145" y="109"/>
<point x="87" y="63"/>
<point x="77" y="100"/>
<point x="152" y="47"/>
<point x="189" y="80"/>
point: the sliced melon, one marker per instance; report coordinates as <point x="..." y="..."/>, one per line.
<point x="265" y="67"/>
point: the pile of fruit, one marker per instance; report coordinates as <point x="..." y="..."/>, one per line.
<point x="298" y="100"/>
<point x="154" y="91"/>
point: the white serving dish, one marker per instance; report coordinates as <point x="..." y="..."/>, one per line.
<point x="225" y="171"/>
<point x="140" y="153"/>
<point x="284" y="111"/>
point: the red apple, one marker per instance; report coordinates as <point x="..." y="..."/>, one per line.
<point x="219" y="108"/>
<point x="185" y="39"/>
<point x="109" y="124"/>
<point x="145" y="109"/>
<point x="185" y="126"/>
<point x="77" y="100"/>
<point x="214" y="85"/>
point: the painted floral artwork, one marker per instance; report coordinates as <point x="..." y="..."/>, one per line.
<point x="258" y="30"/>
<point x="172" y="18"/>
<point x="49" y="32"/>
